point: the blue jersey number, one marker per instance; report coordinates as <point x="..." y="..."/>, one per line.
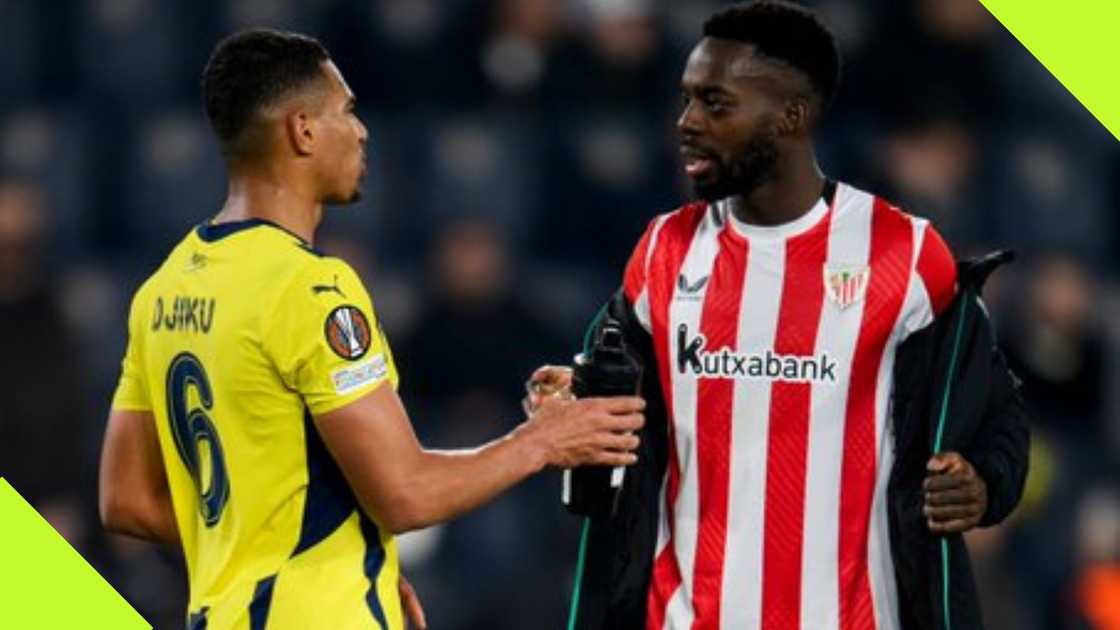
<point x="191" y="427"/>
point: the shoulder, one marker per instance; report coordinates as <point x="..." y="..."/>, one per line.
<point x="670" y="227"/>
<point x="933" y="261"/>
<point x="676" y="226"/>
<point x="889" y="219"/>
<point x="908" y="228"/>
<point x="681" y="223"/>
<point x="937" y="268"/>
<point x="163" y="277"/>
<point x="324" y="297"/>
<point x="323" y="280"/>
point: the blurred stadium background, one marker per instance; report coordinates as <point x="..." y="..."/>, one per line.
<point x="518" y="148"/>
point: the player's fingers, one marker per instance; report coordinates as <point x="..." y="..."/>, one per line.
<point x="531" y="402"/>
<point x="561" y="393"/>
<point x="413" y="608"/>
<point x="620" y="404"/>
<point x="615" y="458"/>
<point x="955" y="526"/>
<point x="560" y="376"/>
<point x="578" y="407"/>
<point x="536" y="387"/>
<point x="619" y="441"/>
<point x="550" y="376"/>
<point x="949" y="512"/>
<point x="943" y="482"/>
<point x="416" y="615"/>
<point x="542" y="373"/>
<point x="545" y="390"/>
<point x="628" y="422"/>
<point x="945" y="462"/>
<point x="554" y="372"/>
<point x="958" y="496"/>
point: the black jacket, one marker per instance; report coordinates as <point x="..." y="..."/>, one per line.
<point x="985" y="420"/>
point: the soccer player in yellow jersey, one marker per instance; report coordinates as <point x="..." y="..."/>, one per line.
<point x="256" y="424"/>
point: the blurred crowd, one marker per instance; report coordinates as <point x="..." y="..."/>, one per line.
<point x="518" y="149"/>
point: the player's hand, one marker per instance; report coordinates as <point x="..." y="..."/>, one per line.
<point x="410" y="603"/>
<point x="547" y="381"/>
<point x="956" y="497"/>
<point x="592" y="431"/>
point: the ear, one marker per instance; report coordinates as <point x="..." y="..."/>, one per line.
<point x="301" y="132"/>
<point x="795" y="117"/>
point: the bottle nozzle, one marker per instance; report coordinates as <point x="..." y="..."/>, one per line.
<point x="611" y="338"/>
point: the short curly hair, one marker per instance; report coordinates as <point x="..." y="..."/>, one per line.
<point x="251" y="70"/>
<point x="787" y="32"/>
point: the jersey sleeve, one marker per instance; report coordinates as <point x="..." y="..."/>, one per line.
<point x="324" y="338"/>
<point x="132" y="388"/>
<point x="636" y="276"/>
<point x="934" y="281"/>
<point x="937" y="270"/>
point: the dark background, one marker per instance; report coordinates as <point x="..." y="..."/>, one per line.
<point x="518" y="148"/>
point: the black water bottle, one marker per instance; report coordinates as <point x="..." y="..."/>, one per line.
<point x="606" y="370"/>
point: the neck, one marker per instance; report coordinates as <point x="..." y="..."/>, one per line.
<point x="791" y="191"/>
<point x="260" y="192"/>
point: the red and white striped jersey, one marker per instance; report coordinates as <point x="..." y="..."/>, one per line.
<point x="775" y="348"/>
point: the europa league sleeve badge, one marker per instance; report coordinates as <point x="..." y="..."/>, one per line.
<point x="348" y="332"/>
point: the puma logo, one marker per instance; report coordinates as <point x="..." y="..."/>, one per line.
<point x="325" y="288"/>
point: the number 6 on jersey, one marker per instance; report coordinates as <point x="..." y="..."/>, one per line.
<point x="191" y="427"/>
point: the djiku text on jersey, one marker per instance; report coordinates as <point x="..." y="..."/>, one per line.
<point x="236" y="342"/>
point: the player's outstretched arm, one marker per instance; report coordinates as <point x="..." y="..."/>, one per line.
<point x="405" y="487"/>
<point x="133" y="496"/>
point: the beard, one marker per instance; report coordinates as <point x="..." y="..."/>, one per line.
<point x="743" y="174"/>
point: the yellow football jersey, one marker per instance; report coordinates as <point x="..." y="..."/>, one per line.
<point x="235" y="342"/>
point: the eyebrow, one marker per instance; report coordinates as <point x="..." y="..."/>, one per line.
<point x="714" y="90"/>
<point x="706" y="89"/>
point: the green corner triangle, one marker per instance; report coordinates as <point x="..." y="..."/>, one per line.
<point x="45" y="584"/>
<point x="1076" y="42"/>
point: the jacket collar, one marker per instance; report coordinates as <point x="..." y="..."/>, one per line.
<point x="972" y="273"/>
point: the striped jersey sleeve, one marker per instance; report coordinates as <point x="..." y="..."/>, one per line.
<point x="937" y="270"/>
<point x="933" y="281"/>
<point x="325" y="340"/>
<point x="636" y="277"/>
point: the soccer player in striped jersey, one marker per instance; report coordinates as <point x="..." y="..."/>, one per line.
<point x="827" y="407"/>
<point x="256" y="425"/>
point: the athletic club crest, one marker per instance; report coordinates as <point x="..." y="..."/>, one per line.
<point x="347" y="331"/>
<point x="847" y="285"/>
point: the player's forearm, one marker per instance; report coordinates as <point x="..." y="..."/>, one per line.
<point x="147" y="518"/>
<point x="406" y="487"/>
<point x="446" y="484"/>
<point x="163" y="528"/>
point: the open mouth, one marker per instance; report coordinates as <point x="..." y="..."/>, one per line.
<point x="697" y="163"/>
